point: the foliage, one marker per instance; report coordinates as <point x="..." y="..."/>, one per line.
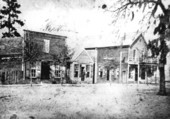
<point x="32" y="51"/>
<point x="111" y="64"/>
<point x="9" y="17"/>
<point x="11" y="52"/>
<point x="63" y="56"/>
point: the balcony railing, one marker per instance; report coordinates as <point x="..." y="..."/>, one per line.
<point x="148" y="60"/>
<point x="143" y="60"/>
<point x="133" y="59"/>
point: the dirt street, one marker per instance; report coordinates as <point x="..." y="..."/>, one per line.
<point x="83" y="101"/>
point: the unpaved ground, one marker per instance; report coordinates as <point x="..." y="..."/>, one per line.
<point x="85" y="101"/>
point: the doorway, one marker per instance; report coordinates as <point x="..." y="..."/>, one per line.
<point x="124" y="77"/>
<point x="82" y="72"/>
<point x="134" y="73"/>
<point x="45" y="70"/>
<point x="108" y="75"/>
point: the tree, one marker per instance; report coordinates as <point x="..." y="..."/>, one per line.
<point x="150" y="8"/>
<point x="62" y="56"/>
<point x="111" y="64"/>
<point x="32" y="53"/>
<point x="9" y="18"/>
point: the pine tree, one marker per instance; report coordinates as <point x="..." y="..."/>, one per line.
<point x="9" y="16"/>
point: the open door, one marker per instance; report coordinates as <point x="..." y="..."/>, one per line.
<point x="82" y="73"/>
<point x="45" y="70"/>
<point x="108" y="75"/>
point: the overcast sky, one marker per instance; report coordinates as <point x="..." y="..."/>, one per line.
<point x="83" y="21"/>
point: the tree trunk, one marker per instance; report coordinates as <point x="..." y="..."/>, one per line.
<point x="162" y="88"/>
<point x="30" y="73"/>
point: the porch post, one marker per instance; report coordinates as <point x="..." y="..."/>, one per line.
<point x="96" y="67"/>
<point x="120" y="70"/>
<point x="127" y="74"/>
<point x="138" y="72"/>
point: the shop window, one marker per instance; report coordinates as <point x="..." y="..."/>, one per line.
<point x="57" y="71"/>
<point x="88" y="71"/>
<point x="76" y="70"/>
<point x="33" y="73"/>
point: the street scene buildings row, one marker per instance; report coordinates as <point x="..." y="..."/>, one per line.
<point x="120" y="63"/>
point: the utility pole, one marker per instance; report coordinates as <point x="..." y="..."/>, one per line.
<point x="120" y="69"/>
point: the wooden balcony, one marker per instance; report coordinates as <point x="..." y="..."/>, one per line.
<point x="148" y="60"/>
<point x="133" y="60"/>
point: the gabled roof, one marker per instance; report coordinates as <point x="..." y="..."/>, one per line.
<point x="140" y="36"/>
<point x="84" y="51"/>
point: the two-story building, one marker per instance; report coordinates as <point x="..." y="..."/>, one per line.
<point x="45" y="67"/>
<point x="20" y="60"/>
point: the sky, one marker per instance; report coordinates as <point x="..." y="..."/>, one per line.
<point x="82" y="21"/>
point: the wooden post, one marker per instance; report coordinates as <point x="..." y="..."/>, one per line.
<point x="146" y="78"/>
<point x="138" y="71"/>
<point x="23" y="62"/>
<point x="120" y="69"/>
<point x="96" y="67"/>
<point x="127" y="74"/>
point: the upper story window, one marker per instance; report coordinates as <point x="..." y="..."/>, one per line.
<point x="46" y="46"/>
<point x="134" y="54"/>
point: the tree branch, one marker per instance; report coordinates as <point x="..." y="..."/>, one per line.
<point x="130" y="3"/>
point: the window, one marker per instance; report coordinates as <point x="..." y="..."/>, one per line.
<point x="134" y="54"/>
<point x="57" y="71"/>
<point x="46" y="46"/>
<point x="76" y="70"/>
<point x="88" y="71"/>
<point x="33" y="73"/>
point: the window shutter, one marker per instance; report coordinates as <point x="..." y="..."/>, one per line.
<point x="46" y="46"/>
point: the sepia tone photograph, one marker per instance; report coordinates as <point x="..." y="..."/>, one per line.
<point x="84" y="59"/>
